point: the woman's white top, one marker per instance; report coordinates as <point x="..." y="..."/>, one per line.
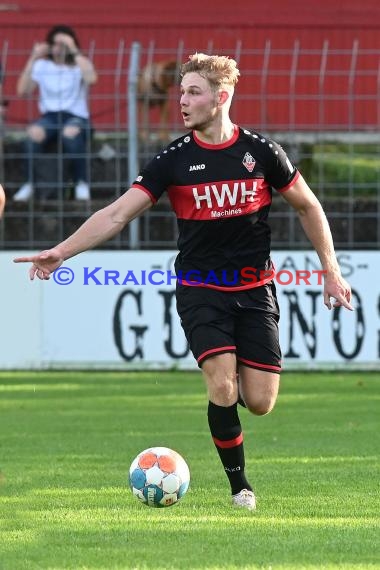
<point x="61" y="88"/>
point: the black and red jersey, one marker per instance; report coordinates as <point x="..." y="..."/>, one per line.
<point x="221" y="195"/>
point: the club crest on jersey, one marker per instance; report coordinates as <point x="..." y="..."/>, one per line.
<point x="249" y="162"/>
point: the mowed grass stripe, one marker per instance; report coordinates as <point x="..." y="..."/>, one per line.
<point x="67" y="439"/>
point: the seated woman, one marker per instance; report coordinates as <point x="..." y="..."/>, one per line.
<point x="62" y="75"/>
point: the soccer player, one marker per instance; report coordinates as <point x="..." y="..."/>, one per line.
<point x="219" y="179"/>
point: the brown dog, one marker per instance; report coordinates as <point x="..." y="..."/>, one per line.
<point x="154" y="83"/>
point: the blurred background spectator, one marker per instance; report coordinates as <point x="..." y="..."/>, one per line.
<point x="62" y="74"/>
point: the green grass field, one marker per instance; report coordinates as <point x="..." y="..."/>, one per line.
<point x="67" y="439"/>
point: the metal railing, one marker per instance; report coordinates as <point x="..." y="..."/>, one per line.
<point x="322" y="105"/>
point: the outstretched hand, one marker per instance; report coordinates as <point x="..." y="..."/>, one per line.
<point x="337" y="288"/>
<point x="44" y="263"/>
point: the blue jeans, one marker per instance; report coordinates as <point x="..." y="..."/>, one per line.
<point x="73" y="147"/>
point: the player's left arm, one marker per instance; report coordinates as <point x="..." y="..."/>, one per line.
<point x="316" y="227"/>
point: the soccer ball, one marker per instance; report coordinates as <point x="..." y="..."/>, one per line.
<point x="159" y="477"/>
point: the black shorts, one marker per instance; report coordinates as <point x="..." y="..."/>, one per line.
<point x="243" y="322"/>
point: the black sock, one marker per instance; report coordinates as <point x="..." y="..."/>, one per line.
<point x="228" y="439"/>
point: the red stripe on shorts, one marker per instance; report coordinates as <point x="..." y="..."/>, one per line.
<point x="213" y="351"/>
<point x="254" y="364"/>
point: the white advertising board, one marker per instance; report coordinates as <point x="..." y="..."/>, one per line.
<point x="117" y="310"/>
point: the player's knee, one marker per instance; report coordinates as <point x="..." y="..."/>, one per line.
<point x="222" y="390"/>
<point x="260" y="406"/>
<point x="220" y="375"/>
<point x="221" y="387"/>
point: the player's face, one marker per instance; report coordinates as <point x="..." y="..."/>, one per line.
<point x="199" y="103"/>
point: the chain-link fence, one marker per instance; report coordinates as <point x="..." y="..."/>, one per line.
<point x="322" y="105"/>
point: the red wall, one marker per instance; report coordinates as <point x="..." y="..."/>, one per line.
<point x="240" y="30"/>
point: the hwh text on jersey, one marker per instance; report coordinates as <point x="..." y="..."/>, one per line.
<point x="225" y="193"/>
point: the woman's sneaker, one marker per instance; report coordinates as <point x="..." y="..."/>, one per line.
<point x="245" y="500"/>
<point x="82" y="191"/>
<point x="24" y="193"/>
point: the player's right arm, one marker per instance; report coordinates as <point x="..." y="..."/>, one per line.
<point x="100" y="227"/>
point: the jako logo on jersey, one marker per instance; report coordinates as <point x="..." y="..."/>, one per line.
<point x="224" y="195"/>
<point x="249" y="162"/>
<point x="197" y="167"/>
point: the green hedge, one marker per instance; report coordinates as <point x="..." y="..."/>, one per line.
<point x="336" y="168"/>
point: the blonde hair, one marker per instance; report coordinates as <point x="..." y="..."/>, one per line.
<point x="219" y="70"/>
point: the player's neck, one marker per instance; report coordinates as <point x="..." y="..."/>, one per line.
<point x="216" y="134"/>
